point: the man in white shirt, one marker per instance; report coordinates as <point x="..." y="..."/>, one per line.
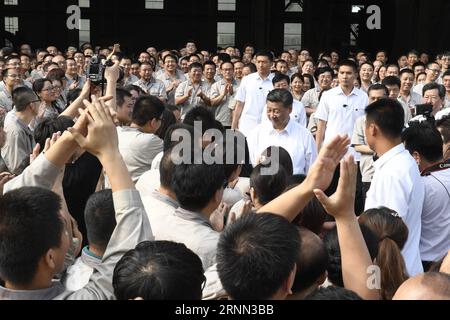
<point x="282" y="131"/>
<point x="298" y="114"/>
<point x="396" y="183"/>
<point x="341" y="106"/>
<point x="424" y="142"/>
<point x="434" y="94"/>
<point x="310" y="99"/>
<point x="138" y="143"/>
<point x="252" y="94"/>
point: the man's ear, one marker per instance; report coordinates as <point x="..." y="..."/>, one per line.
<point x="49" y="259"/>
<point x="218" y="196"/>
<point x="289" y="283"/>
<point x="252" y="194"/>
<point x="323" y="277"/>
<point x="417" y="157"/>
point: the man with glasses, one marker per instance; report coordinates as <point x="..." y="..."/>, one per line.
<point x="11" y="79"/>
<point x="19" y="138"/>
<point x="433" y="72"/>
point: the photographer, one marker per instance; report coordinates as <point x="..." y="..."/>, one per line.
<point x="434" y="94"/>
<point x="424" y="142"/>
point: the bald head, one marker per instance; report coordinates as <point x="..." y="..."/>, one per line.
<point x="428" y="286"/>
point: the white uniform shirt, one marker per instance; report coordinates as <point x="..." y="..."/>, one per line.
<point x="397" y="185"/>
<point x="341" y="111"/>
<point x="297" y="141"/>
<point x="253" y="92"/>
<point x="435" y="239"/>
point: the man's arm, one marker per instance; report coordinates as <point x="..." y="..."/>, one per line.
<point x="237" y="114"/>
<point x="181" y="97"/>
<point x="356" y="261"/>
<point x="112" y="76"/>
<point x="72" y="111"/>
<point x="320" y="134"/>
<point x="320" y="176"/>
<point x="133" y="226"/>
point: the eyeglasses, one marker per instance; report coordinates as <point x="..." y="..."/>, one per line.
<point x="14" y="76"/>
<point x="435" y="70"/>
<point x="34" y="101"/>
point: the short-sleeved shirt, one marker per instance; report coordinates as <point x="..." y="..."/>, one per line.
<point x="223" y="111"/>
<point x="435" y="235"/>
<point x="167" y="80"/>
<point x="253" y="93"/>
<point x="397" y="185"/>
<point x="341" y="111"/>
<point x="18" y="146"/>
<point x="194" y="100"/>
<point x="366" y="160"/>
<point x="311" y="98"/>
<point x="138" y="150"/>
<point x="154" y="88"/>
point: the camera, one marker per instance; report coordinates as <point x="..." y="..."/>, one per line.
<point x="423" y="114"/>
<point x="96" y="70"/>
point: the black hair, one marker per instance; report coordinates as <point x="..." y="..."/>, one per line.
<point x="49" y="126"/>
<point x="435" y="86"/>
<point x="39" y="84"/>
<point x="168" y="119"/>
<point x="282" y="155"/>
<point x="196" y="184"/>
<point x="120" y="96"/>
<point x="251" y="66"/>
<point x="203" y="115"/>
<point x="169" y="144"/>
<point x="378" y="86"/>
<point x="349" y="63"/>
<point x="166" y="170"/>
<point x="30" y="225"/>
<point x="159" y="270"/>
<point x="197" y="65"/>
<point x="22" y="98"/>
<point x="268" y="187"/>
<point x="320" y="71"/>
<point x="265" y="53"/>
<point x="282" y="96"/>
<point x="209" y="63"/>
<point x="425" y="139"/>
<point x="256" y="254"/>
<point x="406" y="70"/>
<point x="278" y="77"/>
<point x="100" y="217"/>
<point x="333" y="293"/>
<point x="312" y="261"/>
<point x="392" y="81"/>
<point x="388" y="115"/>
<point x="311" y="79"/>
<point x="331" y="241"/>
<point x="146" y="109"/>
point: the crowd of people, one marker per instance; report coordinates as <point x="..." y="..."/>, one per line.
<point x="330" y="179"/>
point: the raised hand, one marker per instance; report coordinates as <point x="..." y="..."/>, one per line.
<point x="101" y="139"/>
<point x="341" y="204"/>
<point x="322" y="171"/>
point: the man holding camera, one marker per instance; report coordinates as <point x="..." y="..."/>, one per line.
<point x="434" y="94"/>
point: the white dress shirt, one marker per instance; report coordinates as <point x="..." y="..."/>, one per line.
<point x="435" y="239"/>
<point x="397" y="185"/>
<point x="341" y="111"/>
<point x="297" y="141"/>
<point x="253" y="92"/>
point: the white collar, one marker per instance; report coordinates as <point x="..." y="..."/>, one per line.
<point x="388" y="156"/>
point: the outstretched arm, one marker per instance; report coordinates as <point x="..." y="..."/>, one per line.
<point x="320" y="176"/>
<point x="356" y="259"/>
